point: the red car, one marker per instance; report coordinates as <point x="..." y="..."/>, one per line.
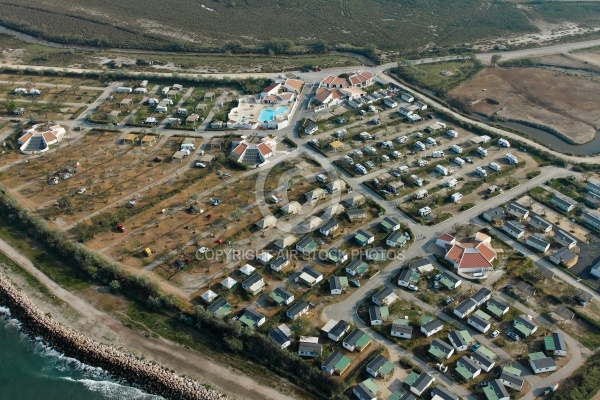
<point x="121" y="228"/>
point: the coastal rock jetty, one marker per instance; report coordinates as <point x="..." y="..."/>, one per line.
<point x="146" y="375"/>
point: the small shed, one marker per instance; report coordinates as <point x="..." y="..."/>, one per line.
<point x="209" y="96"/>
<point x="192" y="119"/>
<point x="148" y="140"/>
<point x="125" y="102"/>
<point x="114" y="115"/>
<point x="201" y="106"/>
<point x="207" y="158"/>
<point x="130" y="137"/>
<point x="179" y="155"/>
<point x="336" y="145"/>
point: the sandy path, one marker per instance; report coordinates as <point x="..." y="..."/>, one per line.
<point x="103" y="328"/>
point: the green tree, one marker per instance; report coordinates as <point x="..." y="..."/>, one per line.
<point x="114" y="285"/>
<point x="320" y="46"/>
<point x="10" y="106"/>
<point x="495" y="59"/>
<point x="65" y="203"/>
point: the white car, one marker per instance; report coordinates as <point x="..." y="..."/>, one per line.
<point x="412" y="287"/>
<point x="369" y="165"/>
<point x="81" y="191"/>
<point x="200" y="165"/>
<point x="360" y="169"/>
<point x="396" y="154"/>
<point x="495" y="334"/>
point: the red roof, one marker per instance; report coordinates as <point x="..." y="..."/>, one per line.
<point x="446" y="237"/>
<point x="488" y="253"/>
<point x="271" y="87"/>
<point x="473" y="260"/>
<point x="264" y="149"/>
<point x="475" y="254"/>
<point x="239" y="149"/>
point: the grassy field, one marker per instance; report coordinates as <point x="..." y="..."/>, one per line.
<point x="440" y="76"/>
<point x="175" y="25"/>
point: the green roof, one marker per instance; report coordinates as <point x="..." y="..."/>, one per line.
<point x="466" y="336"/>
<point x="482" y="315"/>
<point x="549" y="343"/>
<point x="247" y="321"/>
<point x="521" y="328"/>
<point x="462" y="371"/>
<point x="512" y="370"/>
<point x="343" y="281"/>
<point x="387" y="225"/>
<point x="401" y="321"/>
<point x="447" y="283"/>
<point x="371" y="385"/>
<point x="386" y="369"/>
<point x="411" y="378"/>
<point x="396" y="395"/>
<point x="425" y="319"/>
<point x="276" y="297"/>
<point x="342" y="363"/>
<point x="222" y="311"/>
<point x="490" y="393"/>
<point x="359" y="237"/>
<point x="494" y="310"/>
<point x="536" y="356"/>
<point x="363" y="341"/>
<point x="385" y="312"/>
<point x="436" y="352"/>
<point x="487" y="352"/>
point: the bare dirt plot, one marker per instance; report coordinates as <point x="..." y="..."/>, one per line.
<point x="576" y="61"/>
<point x="13" y="78"/>
<point x="565" y="103"/>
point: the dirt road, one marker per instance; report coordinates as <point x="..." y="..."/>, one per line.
<point x="104" y="328"/>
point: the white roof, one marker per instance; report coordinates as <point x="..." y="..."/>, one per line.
<point x="264" y="257"/>
<point x="209" y="296"/>
<point x="228" y="282"/>
<point x="329" y="325"/>
<point x="247" y="269"/>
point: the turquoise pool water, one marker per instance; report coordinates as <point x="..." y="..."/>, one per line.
<point x="268" y="114"/>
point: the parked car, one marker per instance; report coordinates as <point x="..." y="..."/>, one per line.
<point x="355" y="282"/>
<point x="441" y="367"/>
<point x="437" y="277"/>
<point x="495" y="334"/>
<point x="81" y="191"/>
<point x="448" y="300"/>
<point x="513" y="336"/>
<point x="436" y="284"/>
<point x="412" y="287"/>
<point x="475" y="346"/>
<point x="200" y="165"/>
<point x="121" y="228"/>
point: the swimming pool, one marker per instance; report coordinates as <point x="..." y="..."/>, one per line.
<point x="268" y="114"/>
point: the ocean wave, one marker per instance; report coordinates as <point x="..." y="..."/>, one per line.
<point x="112" y="390"/>
<point x="60" y="362"/>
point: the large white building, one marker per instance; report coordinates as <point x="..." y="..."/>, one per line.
<point x="248" y="152"/>
<point x="38" y="138"/>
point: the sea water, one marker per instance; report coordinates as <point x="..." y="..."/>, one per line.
<point x="30" y="370"/>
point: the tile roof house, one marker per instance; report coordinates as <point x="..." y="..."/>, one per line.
<point x="465" y="308"/>
<point x="366" y="390"/>
<point x="484" y="358"/>
<point x="441" y="393"/>
<point x="449" y="280"/>
<point x="480" y="321"/>
<point x="309" y="276"/>
<point x="418" y="383"/>
<point x="481" y="296"/>
<point x="564" y="238"/>
<point x="252" y="318"/>
<point x="540" y="224"/>
<point x="460" y="340"/>
<point x="39" y="137"/>
<point x="279" y="263"/>
<point x="252" y="153"/>
<point x="440" y="350"/>
<point x="407" y="277"/>
<point x="384" y="297"/>
<point x="511" y="377"/>
<point x="564" y="257"/>
<point x="495" y="215"/>
<point x="337" y="284"/>
<point x="219" y="308"/>
<point x="389" y="224"/>
<point x="401" y="329"/>
<point x="563" y="203"/>
<point x="514" y="229"/>
<point x="538" y="242"/>
<point x="380" y="366"/>
<point x="475" y="255"/>
<point x="496" y="307"/>
<point x="592" y="218"/>
<point x="254" y="284"/>
<point x="495" y="391"/>
<point x="555" y="344"/>
<point x="517" y="211"/>
<point x="335" y="330"/>
<point x="396" y="239"/>
<point x="309" y="347"/>
<point x="357" y="267"/>
<point x="306" y="245"/>
<point x="336" y="363"/>
<point x="524" y="325"/>
<point x="363" y="237"/>
<point x="282" y="335"/>
<point x="330" y="227"/>
<point x="540" y="363"/>
<point x="297" y="310"/>
<point x="467" y="369"/>
<point x="430" y="325"/>
<point x="281" y="296"/>
<point x="356" y="340"/>
<point x="378" y="314"/>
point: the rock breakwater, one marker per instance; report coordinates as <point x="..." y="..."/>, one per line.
<point x="146" y="375"/>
